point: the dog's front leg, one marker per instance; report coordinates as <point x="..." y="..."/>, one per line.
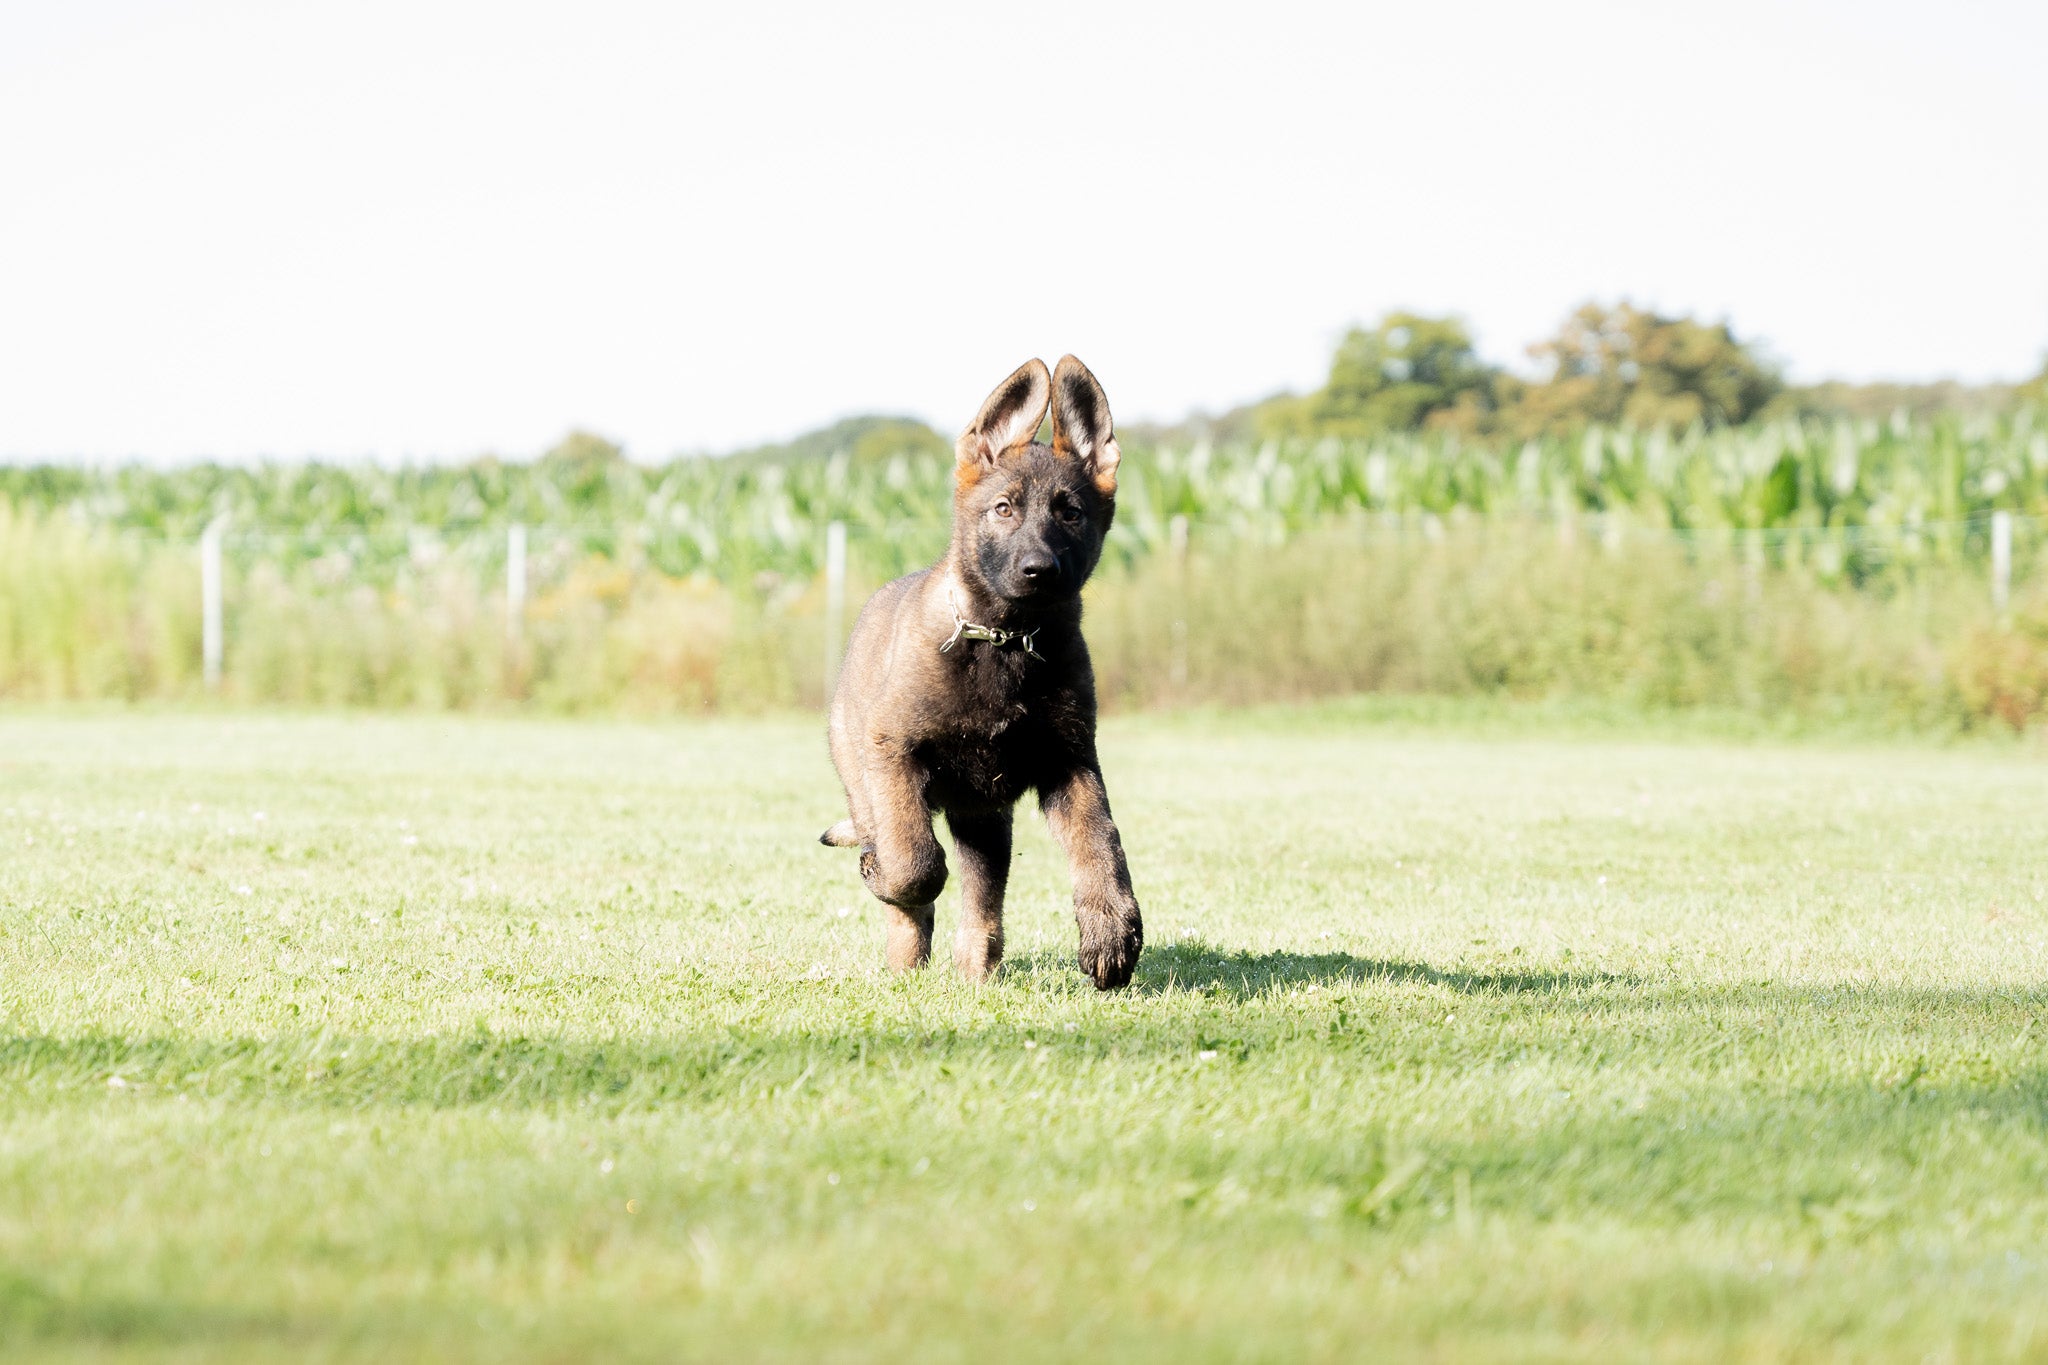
<point x="1112" y="933"/>
<point x="904" y="866"/>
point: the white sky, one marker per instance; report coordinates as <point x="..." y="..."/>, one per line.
<point x="429" y="230"/>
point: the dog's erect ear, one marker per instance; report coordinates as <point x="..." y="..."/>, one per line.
<point x="1081" y="428"/>
<point x="1011" y="414"/>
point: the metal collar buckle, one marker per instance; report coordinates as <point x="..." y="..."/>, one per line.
<point x="964" y="629"/>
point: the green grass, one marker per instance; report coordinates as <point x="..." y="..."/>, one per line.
<point x="504" y="1040"/>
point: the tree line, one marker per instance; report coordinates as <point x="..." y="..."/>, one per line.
<point x="1607" y="365"/>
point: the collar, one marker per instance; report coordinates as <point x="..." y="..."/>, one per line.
<point x="964" y="629"/>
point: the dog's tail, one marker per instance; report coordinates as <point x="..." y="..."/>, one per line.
<point x="840" y="835"/>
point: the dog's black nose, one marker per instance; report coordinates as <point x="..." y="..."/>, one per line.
<point x="1038" y="567"/>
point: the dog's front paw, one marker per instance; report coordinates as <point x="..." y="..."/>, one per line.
<point x="1110" y="945"/>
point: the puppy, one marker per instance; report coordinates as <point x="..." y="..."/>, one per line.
<point x="967" y="685"/>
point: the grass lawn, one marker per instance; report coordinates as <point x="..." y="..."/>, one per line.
<point x="382" y="1038"/>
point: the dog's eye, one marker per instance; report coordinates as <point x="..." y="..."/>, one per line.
<point x="1003" y="509"/>
<point x="1069" y="513"/>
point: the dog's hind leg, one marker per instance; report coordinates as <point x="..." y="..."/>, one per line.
<point x="982" y="844"/>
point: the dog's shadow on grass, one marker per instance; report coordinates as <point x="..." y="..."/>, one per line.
<point x="1196" y="966"/>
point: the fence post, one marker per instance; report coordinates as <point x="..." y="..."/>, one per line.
<point x="2001" y="559"/>
<point x="835" y="603"/>
<point x="1177" y="537"/>
<point x="210" y="635"/>
<point x="515" y="580"/>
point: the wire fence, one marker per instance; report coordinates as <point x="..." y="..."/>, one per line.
<point x="800" y="547"/>
<point x="1947" y="616"/>
<point x="525" y="560"/>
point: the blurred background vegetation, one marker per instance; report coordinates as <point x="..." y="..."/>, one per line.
<point x="1655" y="519"/>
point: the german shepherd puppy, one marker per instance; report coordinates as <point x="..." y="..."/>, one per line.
<point x="967" y="684"/>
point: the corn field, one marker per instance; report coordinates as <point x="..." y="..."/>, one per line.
<point x="1840" y="568"/>
<point x="1852" y="498"/>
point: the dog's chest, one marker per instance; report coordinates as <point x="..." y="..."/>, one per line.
<point x="990" y="760"/>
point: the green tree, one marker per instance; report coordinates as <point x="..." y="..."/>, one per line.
<point x="580" y="468"/>
<point x="1630" y="366"/>
<point x="2034" y="390"/>
<point x="1408" y="372"/>
<point x="865" y="439"/>
<point x="890" y="437"/>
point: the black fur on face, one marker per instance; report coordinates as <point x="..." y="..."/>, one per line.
<point x="1032" y="527"/>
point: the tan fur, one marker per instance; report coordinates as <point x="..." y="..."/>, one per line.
<point x="916" y="731"/>
<point x="1072" y="434"/>
<point x="1008" y="417"/>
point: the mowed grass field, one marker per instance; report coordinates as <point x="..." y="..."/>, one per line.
<point x="346" y="1037"/>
